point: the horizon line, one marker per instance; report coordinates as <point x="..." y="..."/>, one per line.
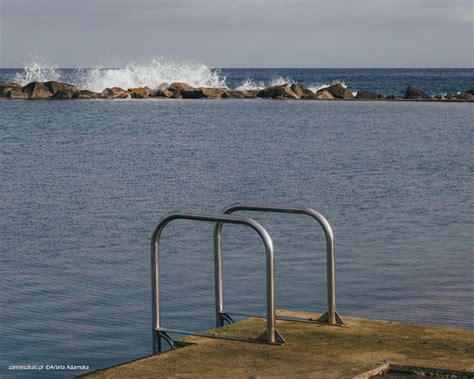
<point x="273" y="68"/>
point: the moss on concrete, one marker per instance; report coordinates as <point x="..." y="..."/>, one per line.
<point x="312" y="350"/>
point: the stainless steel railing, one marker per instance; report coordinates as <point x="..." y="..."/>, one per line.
<point x="271" y="335"/>
<point x="331" y="316"/>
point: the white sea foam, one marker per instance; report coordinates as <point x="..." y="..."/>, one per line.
<point x="152" y="74"/>
<point x="250" y="84"/>
<point x="37" y="69"/>
<point x="318" y="86"/>
<point x="280" y="80"/>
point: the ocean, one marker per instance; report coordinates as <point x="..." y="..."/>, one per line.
<point x="84" y="183"/>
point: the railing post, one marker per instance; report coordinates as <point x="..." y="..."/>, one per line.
<point x="218" y="284"/>
<point x="331" y="316"/>
<point x="271" y="335"/>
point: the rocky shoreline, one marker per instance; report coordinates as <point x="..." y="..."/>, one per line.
<point x="61" y="91"/>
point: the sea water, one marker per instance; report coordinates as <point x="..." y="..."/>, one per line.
<point x="84" y="183"/>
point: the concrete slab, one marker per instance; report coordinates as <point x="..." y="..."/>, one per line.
<point x="312" y="350"/>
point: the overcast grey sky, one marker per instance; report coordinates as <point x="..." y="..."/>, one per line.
<point x="240" y="33"/>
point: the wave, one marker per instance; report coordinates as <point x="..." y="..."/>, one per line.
<point x="152" y="74"/>
<point x="37" y="69"/>
<point x="318" y="86"/>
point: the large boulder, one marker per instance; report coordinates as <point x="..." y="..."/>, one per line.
<point x="203" y="93"/>
<point x="115" y="93"/>
<point x="9" y="84"/>
<point x="63" y="94"/>
<point x="300" y="90"/>
<point x="164" y="92"/>
<point x="464" y="96"/>
<point x="17" y="93"/>
<point x="6" y="87"/>
<point x="413" y="93"/>
<point x="37" y="90"/>
<point x="387" y="96"/>
<point x="178" y="86"/>
<point x="338" y="91"/>
<point x="54" y="87"/>
<point x="140" y="92"/>
<point x="236" y="94"/>
<point x="283" y="91"/>
<point x="85" y="94"/>
<point x="367" y="95"/>
<point x="320" y="95"/>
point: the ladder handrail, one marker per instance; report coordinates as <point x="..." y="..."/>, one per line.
<point x="331" y="316"/>
<point x="271" y="335"/>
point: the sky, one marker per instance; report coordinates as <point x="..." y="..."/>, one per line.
<point x="239" y="33"/>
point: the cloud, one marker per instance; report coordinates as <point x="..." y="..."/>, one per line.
<point x="297" y="33"/>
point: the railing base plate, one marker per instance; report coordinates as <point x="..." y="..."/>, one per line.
<point x="279" y="340"/>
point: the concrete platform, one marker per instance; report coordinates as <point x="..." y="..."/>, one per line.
<point x="312" y="350"/>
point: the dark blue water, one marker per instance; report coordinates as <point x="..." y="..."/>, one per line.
<point x="395" y="81"/>
<point x="84" y="183"/>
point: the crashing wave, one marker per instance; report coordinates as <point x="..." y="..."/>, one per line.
<point x="152" y="74"/>
<point x="318" y="86"/>
<point x="37" y="69"/>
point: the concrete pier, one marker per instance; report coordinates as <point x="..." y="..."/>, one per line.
<point x="360" y="349"/>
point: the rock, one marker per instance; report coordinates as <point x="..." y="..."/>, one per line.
<point x="338" y="92"/>
<point x="414" y="93"/>
<point x="300" y="90"/>
<point x="470" y="91"/>
<point x="203" y="93"/>
<point x="387" y="96"/>
<point x="63" y="94"/>
<point x="6" y="87"/>
<point x="320" y="95"/>
<point x="115" y="93"/>
<point x="177" y="86"/>
<point x="54" y="87"/>
<point x="176" y="89"/>
<point x="17" y="93"/>
<point x="464" y="96"/>
<point x="140" y="92"/>
<point x="85" y="94"/>
<point x="283" y="91"/>
<point x="367" y="95"/>
<point x="37" y="90"/>
<point x="168" y="94"/>
<point x="9" y="84"/>
<point x="235" y="94"/>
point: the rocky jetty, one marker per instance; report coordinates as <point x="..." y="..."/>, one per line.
<point x="54" y="90"/>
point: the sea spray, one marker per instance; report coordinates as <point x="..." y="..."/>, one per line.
<point x="152" y="74"/>
<point x="37" y="69"/>
<point x="250" y="85"/>
<point x="318" y="86"/>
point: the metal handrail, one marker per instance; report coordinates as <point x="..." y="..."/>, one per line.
<point x="331" y="316"/>
<point x="271" y="336"/>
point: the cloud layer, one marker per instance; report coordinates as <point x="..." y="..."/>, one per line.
<point x="240" y="33"/>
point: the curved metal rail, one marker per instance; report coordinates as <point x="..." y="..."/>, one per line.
<point x="271" y="335"/>
<point x="330" y="317"/>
